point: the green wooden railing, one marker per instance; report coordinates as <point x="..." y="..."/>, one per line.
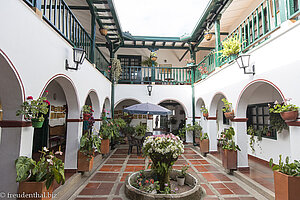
<point x="158" y="75"/>
<point x="60" y="17"/>
<point x="293" y="8"/>
<point x="255" y="29"/>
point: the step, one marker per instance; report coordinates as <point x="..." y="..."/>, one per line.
<point x="268" y="194"/>
<point x="76" y="180"/>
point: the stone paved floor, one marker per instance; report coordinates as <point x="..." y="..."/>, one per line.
<point x="108" y="182"/>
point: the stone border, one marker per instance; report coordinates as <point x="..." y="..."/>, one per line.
<point x="195" y="193"/>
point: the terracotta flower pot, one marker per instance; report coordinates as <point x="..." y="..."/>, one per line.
<point x="197" y="140"/>
<point x="229" y="159"/>
<point x="229" y="115"/>
<point x="204" y="146"/>
<point x="86" y="117"/>
<point x="286" y="187"/>
<point x="105" y="146"/>
<point x="103" y="31"/>
<point x="38" y="188"/>
<point x="289" y="116"/>
<point x="205" y="115"/>
<point x="84" y="164"/>
<point x="207" y="36"/>
<point x="153" y="58"/>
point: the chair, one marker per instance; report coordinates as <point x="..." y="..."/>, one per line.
<point x="133" y="142"/>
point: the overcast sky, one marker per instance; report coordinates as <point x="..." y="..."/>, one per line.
<point x="171" y="18"/>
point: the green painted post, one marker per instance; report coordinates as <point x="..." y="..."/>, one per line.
<point x="283" y="10"/>
<point x="153" y="72"/>
<point x="112" y="108"/>
<point x="218" y="40"/>
<point x="93" y="37"/>
<point x="193" y="68"/>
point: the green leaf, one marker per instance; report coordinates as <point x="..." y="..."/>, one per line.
<point x="23" y="167"/>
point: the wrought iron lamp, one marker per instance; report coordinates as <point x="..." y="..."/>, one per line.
<point x="243" y="62"/>
<point x="149" y="88"/>
<point x="78" y="57"/>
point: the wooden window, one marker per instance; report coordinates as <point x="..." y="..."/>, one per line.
<point x="130" y="60"/>
<point x="259" y="118"/>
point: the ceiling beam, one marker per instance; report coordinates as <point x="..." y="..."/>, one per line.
<point x="150" y="46"/>
<point x="204" y="48"/>
<point x="99" y="2"/>
<point x="105" y="17"/>
<point x="180" y="59"/>
<point x="79" y="7"/>
<point x="101" y="10"/>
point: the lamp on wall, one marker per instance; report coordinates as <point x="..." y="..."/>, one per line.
<point x="78" y="57"/>
<point x="243" y="62"/>
<point x="149" y="88"/>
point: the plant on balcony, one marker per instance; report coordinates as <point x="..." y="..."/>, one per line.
<point x="288" y="112"/>
<point x="231" y="46"/>
<point x="88" y="144"/>
<point x="286" y="179"/>
<point x="163" y="151"/>
<point x="148" y="62"/>
<point x="34" y="110"/>
<point x="204" y="111"/>
<point x="116" y="70"/>
<point x="227" y="109"/>
<point x="39" y="175"/>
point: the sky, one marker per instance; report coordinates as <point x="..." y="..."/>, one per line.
<point x="171" y="18"/>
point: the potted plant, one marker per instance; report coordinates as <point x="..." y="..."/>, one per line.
<point x="229" y="159"/>
<point x="34" y="110"/>
<point x="163" y="151"/>
<point x="231" y="47"/>
<point x="116" y="70"/>
<point x="140" y="130"/>
<point x="288" y="112"/>
<point x="203" y="71"/>
<point x="108" y="131"/>
<point x="87" y="112"/>
<point x="204" y="111"/>
<point x="286" y="179"/>
<point x="197" y="129"/>
<point x="153" y="56"/>
<point x="227" y="109"/>
<point x="181" y="175"/>
<point x="37" y="177"/>
<point x="103" y="31"/>
<point x="204" y="144"/>
<point x="88" y="144"/>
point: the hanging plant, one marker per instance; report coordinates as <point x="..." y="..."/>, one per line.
<point x="277" y="122"/>
<point x="116" y="70"/>
<point x="231" y="46"/>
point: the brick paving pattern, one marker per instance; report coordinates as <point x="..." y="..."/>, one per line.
<point x="108" y="182"/>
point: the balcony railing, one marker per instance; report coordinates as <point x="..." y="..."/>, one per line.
<point x="60" y="17"/>
<point x="157" y="75"/>
<point x="255" y="29"/>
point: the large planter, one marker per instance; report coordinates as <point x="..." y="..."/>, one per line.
<point x="38" y="188"/>
<point x="84" y="163"/>
<point x="229" y="159"/>
<point x="289" y="116"/>
<point x="229" y="115"/>
<point x="105" y="146"/>
<point x="86" y="117"/>
<point x="196" y="191"/>
<point x="204" y="146"/>
<point x="286" y="187"/>
<point x="37" y="123"/>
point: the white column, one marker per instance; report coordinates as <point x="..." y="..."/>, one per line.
<point x="26" y="143"/>
<point x="241" y="139"/>
<point x="189" y="135"/>
<point x="212" y="134"/>
<point x="294" y="142"/>
<point x="74" y="131"/>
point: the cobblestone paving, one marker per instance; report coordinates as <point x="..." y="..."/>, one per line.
<point x="108" y="182"/>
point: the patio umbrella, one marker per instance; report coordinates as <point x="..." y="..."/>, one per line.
<point x="147" y="109"/>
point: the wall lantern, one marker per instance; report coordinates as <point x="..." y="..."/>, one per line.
<point x="78" y="57"/>
<point x="243" y="62"/>
<point x="149" y="88"/>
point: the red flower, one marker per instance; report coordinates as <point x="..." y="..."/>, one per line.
<point x="46" y="101"/>
<point x="46" y="91"/>
<point x="92" y="110"/>
<point x="29" y="98"/>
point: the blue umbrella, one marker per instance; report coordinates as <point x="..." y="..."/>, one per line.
<point x="147" y="109"/>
